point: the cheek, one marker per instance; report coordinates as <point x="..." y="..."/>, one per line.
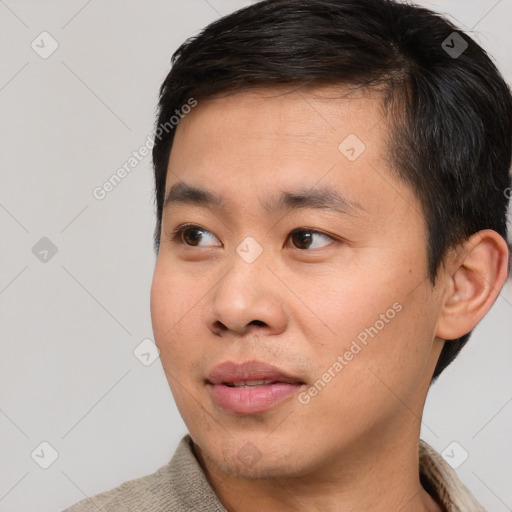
<point x="175" y="315"/>
<point x="340" y="305"/>
<point x="384" y="364"/>
<point x="382" y="326"/>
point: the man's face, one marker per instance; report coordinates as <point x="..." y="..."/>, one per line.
<point x="335" y="297"/>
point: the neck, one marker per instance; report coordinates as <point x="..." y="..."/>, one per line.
<point x="380" y="474"/>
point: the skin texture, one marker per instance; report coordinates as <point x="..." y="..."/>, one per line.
<point x="354" y="445"/>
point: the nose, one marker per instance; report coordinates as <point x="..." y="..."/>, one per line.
<point x="247" y="300"/>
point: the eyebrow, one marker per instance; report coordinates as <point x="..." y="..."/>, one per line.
<point x="323" y="198"/>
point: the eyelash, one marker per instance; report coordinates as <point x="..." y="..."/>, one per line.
<point x="176" y="235"/>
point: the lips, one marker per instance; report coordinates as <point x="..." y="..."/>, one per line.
<point x="251" y="387"/>
<point x="233" y="373"/>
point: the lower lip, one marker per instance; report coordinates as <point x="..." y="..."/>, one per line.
<point x="251" y="400"/>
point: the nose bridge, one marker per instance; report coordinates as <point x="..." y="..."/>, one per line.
<point x="247" y="296"/>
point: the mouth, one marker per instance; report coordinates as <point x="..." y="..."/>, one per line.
<point x="249" y="384"/>
<point x="251" y="387"/>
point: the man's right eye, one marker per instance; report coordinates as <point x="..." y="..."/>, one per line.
<point x="192" y="235"/>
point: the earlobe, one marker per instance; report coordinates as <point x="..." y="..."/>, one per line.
<point x="476" y="275"/>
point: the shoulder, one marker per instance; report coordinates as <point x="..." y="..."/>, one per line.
<point x="442" y="482"/>
<point x="179" y="486"/>
<point x="150" y="493"/>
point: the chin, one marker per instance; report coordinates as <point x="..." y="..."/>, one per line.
<point x="242" y="458"/>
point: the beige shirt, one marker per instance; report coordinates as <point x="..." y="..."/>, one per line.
<point x="181" y="486"/>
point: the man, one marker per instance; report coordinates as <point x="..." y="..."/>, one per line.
<point x="331" y="226"/>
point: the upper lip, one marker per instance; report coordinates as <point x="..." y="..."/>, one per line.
<point x="231" y="372"/>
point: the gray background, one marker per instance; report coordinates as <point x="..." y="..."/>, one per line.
<point x="69" y="325"/>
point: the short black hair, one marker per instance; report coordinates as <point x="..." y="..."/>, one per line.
<point x="451" y="128"/>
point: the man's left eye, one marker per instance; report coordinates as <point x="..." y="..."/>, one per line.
<point x="304" y="239"/>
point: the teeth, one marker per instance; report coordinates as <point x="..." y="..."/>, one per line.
<point x="250" y="383"/>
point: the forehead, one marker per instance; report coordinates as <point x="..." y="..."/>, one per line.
<point x="287" y="113"/>
<point x="276" y="128"/>
<point x="257" y="142"/>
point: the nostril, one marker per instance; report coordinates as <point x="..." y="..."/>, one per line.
<point x="220" y="326"/>
<point x="257" y="322"/>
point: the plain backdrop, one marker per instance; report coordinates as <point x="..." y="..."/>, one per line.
<point x="76" y="271"/>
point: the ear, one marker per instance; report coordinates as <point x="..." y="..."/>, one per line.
<point x="474" y="278"/>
